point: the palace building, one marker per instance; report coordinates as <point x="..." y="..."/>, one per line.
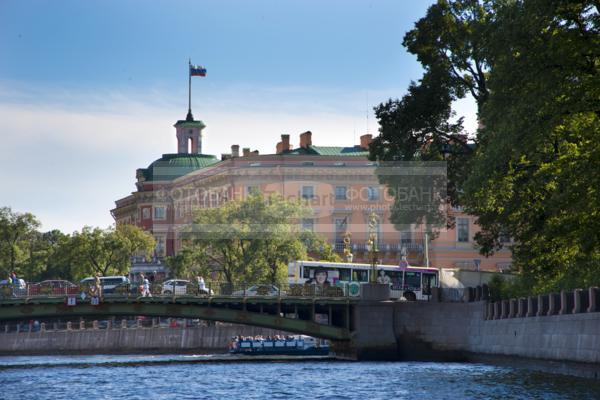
<point x="338" y="183"/>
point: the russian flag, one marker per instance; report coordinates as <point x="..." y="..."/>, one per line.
<point x="197" y="70"/>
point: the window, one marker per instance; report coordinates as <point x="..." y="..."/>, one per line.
<point x="412" y="280"/>
<point x="308" y="192"/>
<point x="252" y="190"/>
<point x="504" y="237"/>
<point x="373" y="193"/>
<point x="344" y="274"/>
<point x="360" y="276"/>
<point x="341" y="225"/>
<point x="146" y="213"/>
<point x="462" y="230"/>
<point x="308" y="224"/>
<point x="160" y="245"/>
<point x="159" y="212"/>
<point x="340" y="193"/>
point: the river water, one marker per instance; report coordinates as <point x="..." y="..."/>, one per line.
<point x="221" y="377"/>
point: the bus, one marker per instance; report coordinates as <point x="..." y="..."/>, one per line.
<point x="406" y="282"/>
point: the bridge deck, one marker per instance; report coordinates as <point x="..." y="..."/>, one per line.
<point x="269" y="312"/>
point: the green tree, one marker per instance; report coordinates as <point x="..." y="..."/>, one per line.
<point x="190" y="261"/>
<point x="17" y="230"/>
<point x="318" y="248"/>
<point x="535" y="176"/>
<point x="108" y="251"/>
<point x="251" y="240"/>
<point x="43" y="248"/>
<point x="450" y="44"/>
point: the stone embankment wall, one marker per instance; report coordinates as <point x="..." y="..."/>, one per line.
<point x="127" y="340"/>
<point x="557" y="327"/>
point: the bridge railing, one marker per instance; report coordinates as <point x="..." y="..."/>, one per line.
<point x="178" y="288"/>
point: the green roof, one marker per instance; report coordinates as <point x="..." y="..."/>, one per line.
<point x="173" y="166"/>
<point x="190" y="124"/>
<point x="355" y="151"/>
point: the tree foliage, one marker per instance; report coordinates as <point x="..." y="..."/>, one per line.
<point x="531" y="169"/>
<point x="450" y="44"/>
<point x="535" y="176"/>
<point x="36" y="256"/>
<point x="17" y="231"/>
<point x="109" y="251"/>
<point x="252" y="240"/>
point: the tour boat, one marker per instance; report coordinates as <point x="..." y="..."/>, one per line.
<point x="290" y="345"/>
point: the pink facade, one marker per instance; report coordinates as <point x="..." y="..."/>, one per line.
<point x="338" y="183"/>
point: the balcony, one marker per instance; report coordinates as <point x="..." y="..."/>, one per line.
<point x="411" y="247"/>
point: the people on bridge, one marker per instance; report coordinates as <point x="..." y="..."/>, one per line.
<point x="145" y="286"/>
<point x="97" y="286"/>
<point x="14" y="279"/>
<point x="201" y="284"/>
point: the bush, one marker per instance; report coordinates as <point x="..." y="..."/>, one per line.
<point x="505" y="287"/>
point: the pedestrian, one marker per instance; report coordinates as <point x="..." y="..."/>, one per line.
<point x="201" y="285"/>
<point x="97" y="286"/>
<point x="14" y="279"/>
<point x="146" y="287"/>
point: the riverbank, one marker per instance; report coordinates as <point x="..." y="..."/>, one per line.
<point x="136" y="340"/>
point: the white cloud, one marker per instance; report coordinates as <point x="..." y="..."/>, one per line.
<point x="67" y="156"/>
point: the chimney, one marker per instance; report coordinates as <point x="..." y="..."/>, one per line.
<point x="246" y="151"/>
<point x="254" y="153"/>
<point x="235" y="150"/>
<point x="365" y="141"/>
<point x="284" y="145"/>
<point x="285" y="142"/>
<point x="306" y="139"/>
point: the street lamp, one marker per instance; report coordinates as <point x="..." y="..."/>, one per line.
<point x="372" y="246"/>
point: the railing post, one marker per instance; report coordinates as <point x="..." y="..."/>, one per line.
<point x="512" y="307"/>
<point x="531" y="306"/>
<point x="576" y="301"/>
<point x="593" y="303"/>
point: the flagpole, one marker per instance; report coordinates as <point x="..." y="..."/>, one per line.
<point x="190" y="117"/>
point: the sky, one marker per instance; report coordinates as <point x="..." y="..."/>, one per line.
<point x="90" y="90"/>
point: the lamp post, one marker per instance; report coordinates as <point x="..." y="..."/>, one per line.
<point x="372" y="246"/>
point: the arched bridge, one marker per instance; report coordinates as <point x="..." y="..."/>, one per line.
<point x="322" y="317"/>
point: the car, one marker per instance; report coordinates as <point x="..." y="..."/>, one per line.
<point x="259" y="290"/>
<point x="109" y="283"/>
<point x="181" y="287"/>
<point x="54" y="287"/>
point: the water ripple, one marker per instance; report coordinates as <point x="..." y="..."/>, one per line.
<point x="177" y="377"/>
